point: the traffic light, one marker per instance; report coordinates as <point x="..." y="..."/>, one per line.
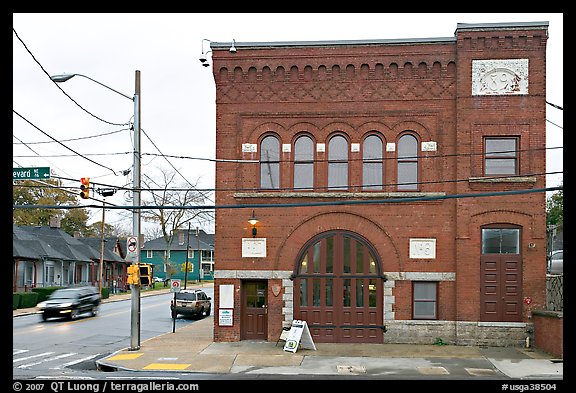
<point x="85" y="187"/>
<point x="145" y="274"/>
<point x="133" y="274"/>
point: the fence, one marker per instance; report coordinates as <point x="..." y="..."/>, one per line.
<point x="555" y="292"/>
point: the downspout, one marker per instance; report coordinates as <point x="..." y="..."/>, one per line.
<point x="43" y="271"/>
<point x="15" y="279"/>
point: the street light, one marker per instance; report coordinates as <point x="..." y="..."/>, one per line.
<point x="135" y="290"/>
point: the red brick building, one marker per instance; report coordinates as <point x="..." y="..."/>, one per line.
<point x="397" y="183"/>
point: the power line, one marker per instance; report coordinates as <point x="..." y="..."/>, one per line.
<point x="66" y="94"/>
<point x="307" y="204"/>
<point x="72" y="150"/>
<point x="74" y="139"/>
<point x="555" y="106"/>
<point x="315" y="189"/>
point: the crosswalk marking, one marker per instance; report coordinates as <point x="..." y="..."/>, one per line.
<point x="32" y="357"/>
<point x="74" y="362"/>
<point x="19" y="351"/>
<point x="64" y="355"/>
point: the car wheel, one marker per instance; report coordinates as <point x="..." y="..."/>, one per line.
<point x="94" y="311"/>
<point x="74" y="314"/>
<point x="208" y="311"/>
<point x="44" y="317"/>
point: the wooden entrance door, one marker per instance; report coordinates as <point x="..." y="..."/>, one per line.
<point x="338" y="290"/>
<point x="501" y="288"/>
<point x="254" y="321"/>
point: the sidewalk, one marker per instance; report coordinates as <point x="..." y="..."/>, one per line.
<point x="191" y="349"/>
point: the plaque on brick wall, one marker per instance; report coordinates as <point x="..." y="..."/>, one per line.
<point x="499" y="77"/>
<point x="254" y="247"/>
<point x="423" y="248"/>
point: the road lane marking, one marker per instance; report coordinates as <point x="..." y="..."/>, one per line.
<point x="32" y="357"/>
<point x="64" y="355"/>
<point x="74" y="362"/>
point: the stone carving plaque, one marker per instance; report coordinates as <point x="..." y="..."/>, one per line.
<point x="499" y="77"/>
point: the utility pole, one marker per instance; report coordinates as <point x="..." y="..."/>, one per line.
<point x="101" y="250"/>
<point x="187" y="247"/>
<point x="200" y="271"/>
<point x="135" y="289"/>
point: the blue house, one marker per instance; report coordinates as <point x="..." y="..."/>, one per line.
<point x="196" y="244"/>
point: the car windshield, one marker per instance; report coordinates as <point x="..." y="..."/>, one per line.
<point x="186" y="296"/>
<point x="63" y="294"/>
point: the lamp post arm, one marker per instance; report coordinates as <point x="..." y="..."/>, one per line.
<point x="108" y="87"/>
<point x="65" y="77"/>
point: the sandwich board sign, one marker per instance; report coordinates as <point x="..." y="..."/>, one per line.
<point x="299" y="334"/>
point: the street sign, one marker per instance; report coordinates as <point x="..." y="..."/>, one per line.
<point x="131" y="245"/>
<point x="31" y="173"/>
<point x="174" y="285"/>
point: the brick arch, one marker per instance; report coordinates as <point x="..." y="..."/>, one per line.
<point x="372" y="126"/>
<point x="310" y="227"/>
<point x="303" y="127"/>
<point x="256" y="135"/>
<point x="423" y="132"/>
<point x="522" y="219"/>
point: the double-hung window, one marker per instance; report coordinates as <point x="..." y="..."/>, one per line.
<point x="372" y="175"/>
<point x="501" y="156"/>
<point x="270" y="163"/>
<point x="407" y="163"/>
<point x="425" y="303"/>
<point x="337" y="163"/>
<point x="303" y="163"/>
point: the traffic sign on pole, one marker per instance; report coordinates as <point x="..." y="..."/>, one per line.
<point x="174" y="285"/>
<point x="31" y="173"/>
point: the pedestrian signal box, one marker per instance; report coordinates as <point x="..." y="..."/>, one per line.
<point x="133" y="274"/>
<point x="145" y="273"/>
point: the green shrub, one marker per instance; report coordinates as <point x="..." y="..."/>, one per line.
<point x="44" y="292"/>
<point x="105" y="293"/>
<point x="28" y="299"/>
<point x="15" y="300"/>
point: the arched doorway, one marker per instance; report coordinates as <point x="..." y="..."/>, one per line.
<point x="338" y="289"/>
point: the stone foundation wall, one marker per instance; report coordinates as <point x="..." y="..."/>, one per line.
<point x="496" y="334"/>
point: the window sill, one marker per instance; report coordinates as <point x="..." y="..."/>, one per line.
<point x="339" y="195"/>
<point x="504" y="179"/>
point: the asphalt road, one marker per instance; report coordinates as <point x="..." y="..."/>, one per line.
<point x="59" y="347"/>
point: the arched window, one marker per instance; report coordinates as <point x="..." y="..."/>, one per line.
<point x="338" y="163"/>
<point x="303" y="163"/>
<point x="372" y="157"/>
<point x="408" y="163"/>
<point x="270" y="163"/>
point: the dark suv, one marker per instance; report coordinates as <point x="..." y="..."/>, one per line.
<point x="70" y="303"/>
<point x="191" y="302"/>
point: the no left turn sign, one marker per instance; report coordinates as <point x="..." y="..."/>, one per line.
<point x="175" y="286"/>
<point x="132" y="244"/>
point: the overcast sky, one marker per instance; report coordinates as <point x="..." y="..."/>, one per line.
<point x="178" y="110"/>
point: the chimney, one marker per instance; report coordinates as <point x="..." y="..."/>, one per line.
<point x="54" y="222"/>
<point x="180" y="237"/>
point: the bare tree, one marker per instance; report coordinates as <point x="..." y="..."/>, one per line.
<point x="167" y="191"/>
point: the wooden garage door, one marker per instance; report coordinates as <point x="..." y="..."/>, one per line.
<point x="338" y="289"/>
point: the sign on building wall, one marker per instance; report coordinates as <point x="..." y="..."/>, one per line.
<point x="226" y="296"/>
<point x="254" y="247"/>
<point x="499" y="77"/>
<point x="249" y="148"/>
<point x="225" y="317"/>
<point x="423" y="248"/>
